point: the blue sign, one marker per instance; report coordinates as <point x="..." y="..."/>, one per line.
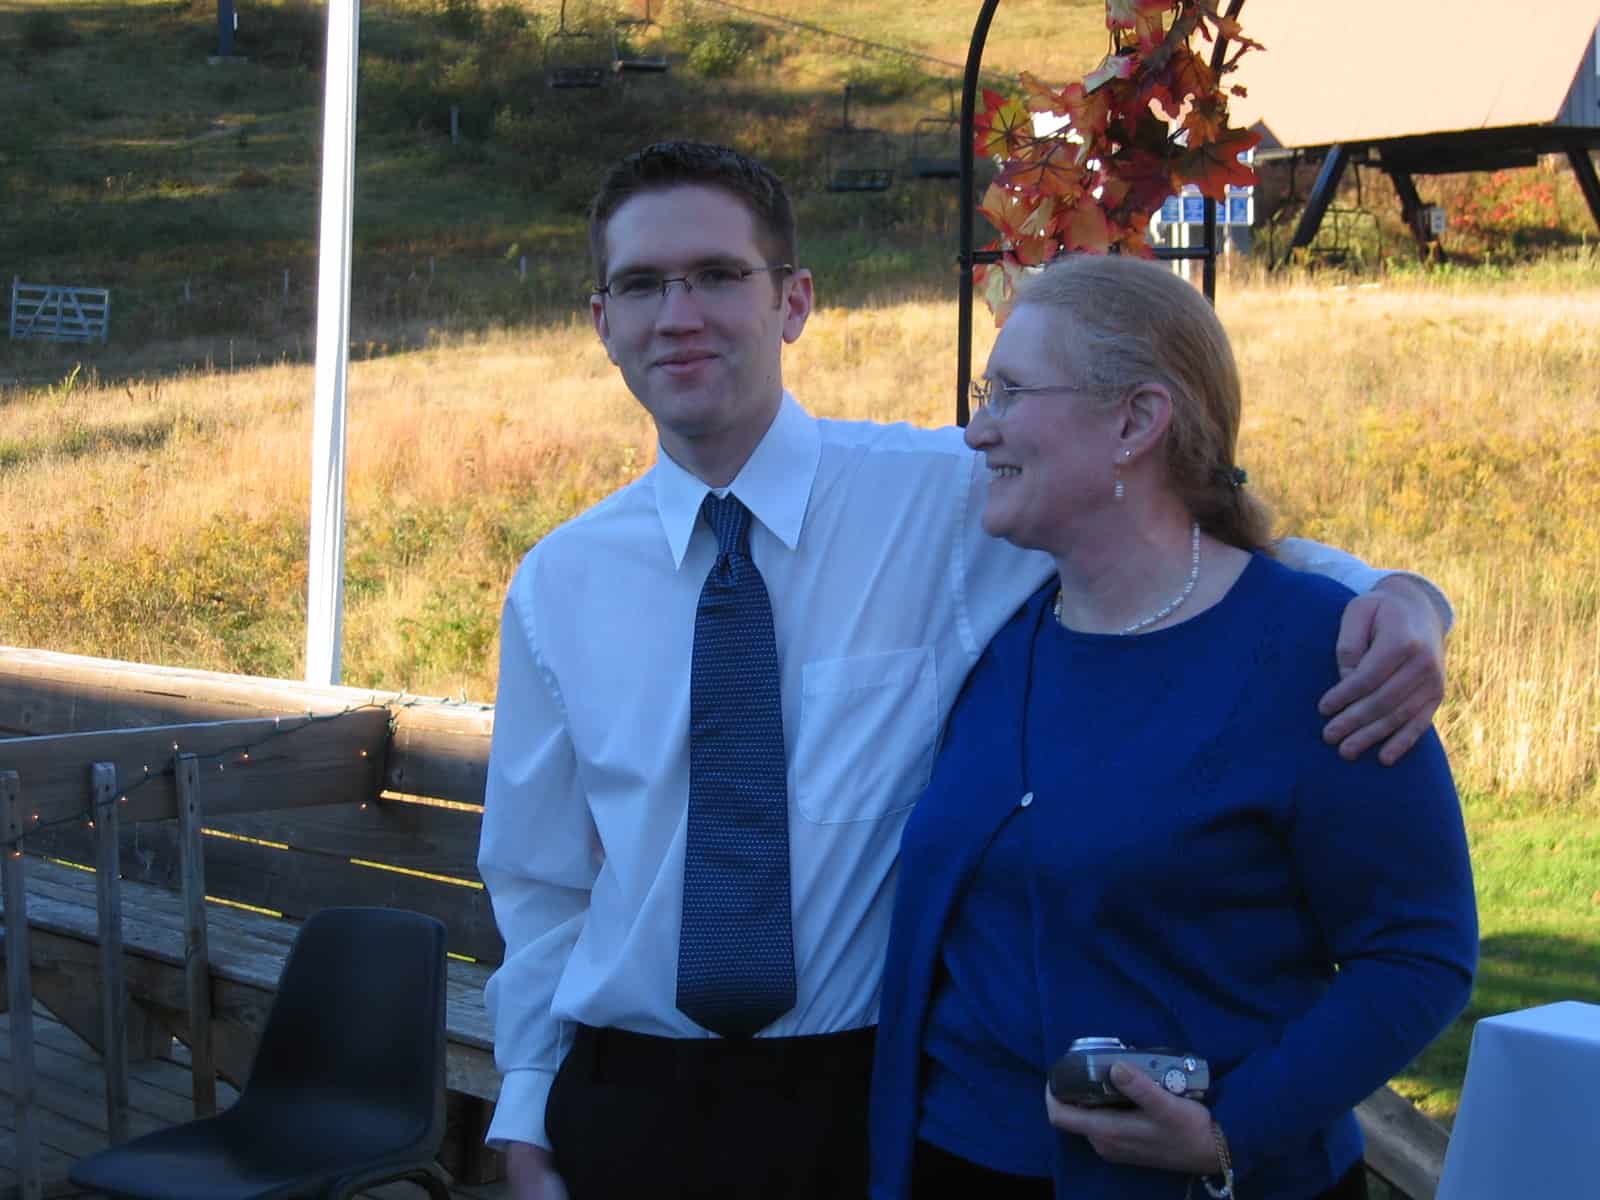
<point x="1194" y="209"/>
<point x="1169" y="211"/>
<point x="1238" y="210"/>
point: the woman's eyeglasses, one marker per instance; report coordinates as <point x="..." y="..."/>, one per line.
<point x="998" y="396"/>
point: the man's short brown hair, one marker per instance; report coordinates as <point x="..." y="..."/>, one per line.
<point x="673" y="164"/>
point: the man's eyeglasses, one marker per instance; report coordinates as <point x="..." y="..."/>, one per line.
<point x="998" y="396"/>
<point x="639" y="290"/>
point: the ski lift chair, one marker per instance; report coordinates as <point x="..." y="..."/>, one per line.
<point x="574" y="58"/>
<point x="347" y="1088"/>
<point x="858" y="159"/>
<point x="624" y="59"/>
<point x="936" y="145"/>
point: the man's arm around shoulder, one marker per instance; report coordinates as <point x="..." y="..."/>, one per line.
<point x="1390" y="653"/>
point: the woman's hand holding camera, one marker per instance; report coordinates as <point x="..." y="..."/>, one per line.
<point x="1161" y="1130"/>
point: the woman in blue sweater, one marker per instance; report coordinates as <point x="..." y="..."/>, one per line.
<point x="1134" y="828"/>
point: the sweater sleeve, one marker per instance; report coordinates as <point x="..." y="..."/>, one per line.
<point x="1381" y="854"/>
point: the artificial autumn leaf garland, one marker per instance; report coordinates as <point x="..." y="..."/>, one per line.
<point x="1152" y="117"/>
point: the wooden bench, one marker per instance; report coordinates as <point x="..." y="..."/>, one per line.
<point x="299" y="812"/>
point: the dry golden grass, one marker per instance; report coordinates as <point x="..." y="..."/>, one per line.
<point x="1456" y="431"/>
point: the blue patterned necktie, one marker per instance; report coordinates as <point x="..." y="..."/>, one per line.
<point x="736" y="948"/>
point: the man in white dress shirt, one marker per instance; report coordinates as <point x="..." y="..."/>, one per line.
<point x="884" y="591"/>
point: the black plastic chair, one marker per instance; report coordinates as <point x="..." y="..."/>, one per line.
<point x="347" y="1088"/>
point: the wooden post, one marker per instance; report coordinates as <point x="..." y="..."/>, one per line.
<point x="196" y="953"/>
<point x="19" y="989"/>
<point x="113" y="993"/>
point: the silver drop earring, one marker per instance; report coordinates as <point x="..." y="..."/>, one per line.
<point x="1119" y="491"/>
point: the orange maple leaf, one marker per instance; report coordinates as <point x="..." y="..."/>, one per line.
<point x="996" y="284"/>
<point x="1213" y="166"/>
<point x="1131" y="240"/>
<point x="1034" y="251"/>
<point x="1113" y="192"/>
<point x="1205" y="122"/>
<point x="1007" y="210"/>
<point x="1189" y="75"/>
<point x="1044" y="98"/>
<point x="1004" y="126"/>
<point x="1090" y="113"/>
<point x="1052" y="170"/>
<point x="1084" y="227"/>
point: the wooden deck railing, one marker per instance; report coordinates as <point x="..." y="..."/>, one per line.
<point x="310" y="796"/>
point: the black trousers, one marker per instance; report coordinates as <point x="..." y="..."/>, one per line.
<point x="937" y="1174"/>
<point x="712" y="1119"/>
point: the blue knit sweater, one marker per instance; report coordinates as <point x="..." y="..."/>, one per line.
<point x="1195" y="869"/>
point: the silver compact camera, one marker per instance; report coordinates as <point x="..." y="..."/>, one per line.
<point x="1082" y="1075"/>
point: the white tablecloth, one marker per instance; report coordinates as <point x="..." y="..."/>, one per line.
<point x="1529" y="1123"/>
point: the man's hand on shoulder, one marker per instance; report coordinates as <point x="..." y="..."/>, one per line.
<point x="1391" y="663"/>
<point x="530" y="1173"/>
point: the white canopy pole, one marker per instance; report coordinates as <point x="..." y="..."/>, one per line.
<point x="325" y="589"/>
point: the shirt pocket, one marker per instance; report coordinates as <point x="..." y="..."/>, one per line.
<point x="867" y="731"/>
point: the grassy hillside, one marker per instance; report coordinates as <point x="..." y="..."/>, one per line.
<point x="192" y="190"/>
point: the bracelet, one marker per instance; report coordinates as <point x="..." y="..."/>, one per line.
<point x="1224" y="1191"/>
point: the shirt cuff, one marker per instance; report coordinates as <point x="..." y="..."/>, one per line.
<point x="1441" y="602"/>
<point x="519" y="1113"/>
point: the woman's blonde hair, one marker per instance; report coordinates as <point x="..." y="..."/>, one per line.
<point x="1140" y="323"/>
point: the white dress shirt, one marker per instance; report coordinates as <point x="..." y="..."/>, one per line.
<point x="884" y="590"/>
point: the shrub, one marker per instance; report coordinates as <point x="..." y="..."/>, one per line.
<point x="719" y="51"/>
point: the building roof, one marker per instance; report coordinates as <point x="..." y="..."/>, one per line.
<point x="1366" y="70"/>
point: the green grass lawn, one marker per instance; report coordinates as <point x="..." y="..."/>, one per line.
<point x="1537" y="870"/>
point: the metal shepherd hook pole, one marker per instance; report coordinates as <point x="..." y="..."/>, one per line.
<point x="969" y="257"/>
<point x="325" y="587"/>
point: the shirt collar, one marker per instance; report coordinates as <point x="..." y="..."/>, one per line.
<point x="774" y="483"/>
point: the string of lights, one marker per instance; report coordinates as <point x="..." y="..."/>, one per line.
<point x="238" y="754"/>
